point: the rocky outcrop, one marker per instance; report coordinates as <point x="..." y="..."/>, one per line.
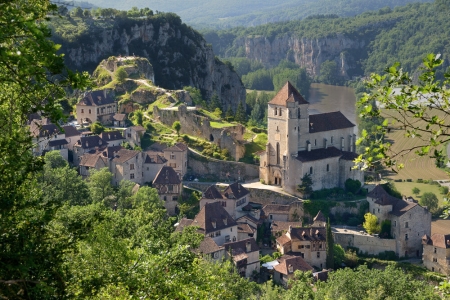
<point x="179" y="55"/>
<point x="308" y="53"/>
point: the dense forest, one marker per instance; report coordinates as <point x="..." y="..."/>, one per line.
<point x="218" y="14"/>
<point x="383" y="37"/>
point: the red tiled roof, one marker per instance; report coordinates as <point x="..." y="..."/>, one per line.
<point x="328" y="121"/>
<point x="440" y="240"/>
<point x="167" y="175"/>
<point x="288" y="93"/>
<point x="212" y="193"/>
<point x="296" y="262"/>
<point x="213" y="213"/>
<point x="208" y="246"/>
<point x="275" y="209"/>
<point x="123" y="155"/>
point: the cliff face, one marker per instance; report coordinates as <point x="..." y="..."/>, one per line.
<point x="179" y="55"/>
<point x="308" y="53"/>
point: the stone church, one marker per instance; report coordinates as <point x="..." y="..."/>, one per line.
<point x="322" y="145"/>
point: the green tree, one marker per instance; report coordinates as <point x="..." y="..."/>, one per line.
<point x="339" y="255"/>
<point x="240" y="114"/>
<point x="371" y="224"/>
<point x="306" y="186"/>
<point x="429" y="200"/>
<point x="328" y="72"/>
<point x="53" y="159"/>
<point x="138" y="117"/>
<point x="97" y="127"/>
<point x="352" y="186"/>
<point x="385" y="229"/>
<point x="99" y="183"/>
<point x="416" y="191"/>
<point x="177" y="127"/>
<point x="121" y="75"/>
<point x="77" y="12"/>
<point x="196" y="95"/>
<point x="214" y="102"/>
<point x="443" y="190"/>
<point x="86" y="13"/>
<point x="229" y="114"/>
<point x="330" y="247"/>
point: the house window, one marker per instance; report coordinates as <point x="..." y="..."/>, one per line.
<point x="373" y="210"/>
<point x="406" y="224"/>
<point x="131" y="166"/>
<point x="328" y="168"/>
<point x="276" y="111"/>
<point x="170" y="188"/>
<point x="129" y="135"/>
<point x="218" y="233"/>
<point x="89" y="111"/>
<point x="315" y="142"/>
<point x="227" y="238"/>
<point x="298" y="113"/>
<point x="318" y="254"/>
<point x="406" y="236"/>
<point x="320" y="246"/>
<point x="174" y="198"/>
<point x="308" y="246"/>
<point x="435" y="250"/>
<point x="310" y="170"/>
<point x="270" y="217"/>
<point x="172" y="156"/>
<point x="331" y="140"/>
<point x="224" y="203"/>
<point x="280" y="112"/>
<point x="132" y="176"/>
<point x="434" y="259"/>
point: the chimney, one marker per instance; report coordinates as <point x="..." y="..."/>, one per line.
<point x="290" y="269"/>
<point x="290" y="228"/>
<point x="248" y="246"/>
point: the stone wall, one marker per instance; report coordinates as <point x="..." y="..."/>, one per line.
<point x="230" y="138"/>
<point x="366" y="244"/>
<point x="218" y="169"/>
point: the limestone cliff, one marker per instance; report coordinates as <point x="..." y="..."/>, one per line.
<point x="179" y="55"/>
<point x="308" y="53"/>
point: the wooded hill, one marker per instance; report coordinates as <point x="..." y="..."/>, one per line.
<point x="368" y="42"/>
<point x="221" y="14"/>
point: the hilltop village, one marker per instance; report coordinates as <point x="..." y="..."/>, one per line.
<point x="255" y="214"/>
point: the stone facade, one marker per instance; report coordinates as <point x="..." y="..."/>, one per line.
<point x="321" y="145"/>
<point x="230" y="138"/>
<point x="47" y="137"/>
<point x="409" y="221"/>
<point x="153" y="162"/>
<point x="436" y="253"/>
<point x="133" y="135"/>
<point x="127" y="165"/>
<point x="367" y="244"/>
<point x="176" y="157"/>
<point x="96" y="106"/>
<point x="245" y="255"/>
<point x="169" y="187"/>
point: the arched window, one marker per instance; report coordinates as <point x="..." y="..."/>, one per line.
<point x="328" y="168"/>
<point x="310" y="170"/>
<point x="280" y="112"/>
<point x="276" y="111"/>
<point x="278" y="153"/>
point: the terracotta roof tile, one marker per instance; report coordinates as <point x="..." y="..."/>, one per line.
<point x="296" y="262"/>
<point x="167" y="175"/>
<point x="87" y="142"/>
<point x="213" y="213"/>
<point x="177" y="147"/>
<point x="245" y="228"/>
<point x="328" y="121"/>
<point x="124" y="155"/>
<point x="208" y="246"/>
<point x="288" y="93"/>
<point x="283" y="240"/>
<point x="212" y="193"/>
<point x="275" y="209"/>
<point x="280" y="226"/>
<point x="153" y="157"/>
<point x="440" y="240"/>
<point x="119" y="117"/>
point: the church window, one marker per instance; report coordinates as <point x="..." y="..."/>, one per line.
<point x="331" y="140"/>
<point x="276" y="111"/>
<point x="278" y="153"/>
<point x="298" y="113"/>
<point x="328" y="168"/>
<point x="310" y="170"/>
<point x="280" y="112"/>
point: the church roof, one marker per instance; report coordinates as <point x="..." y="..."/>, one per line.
<point x="318" y="154"/>
<point x="288" y="93"/>
<point x="328" y="121"/>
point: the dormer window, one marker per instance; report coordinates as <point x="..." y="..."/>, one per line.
<point x="290" y="269"/>
<point x="213" y="224"/>
<point x="225" y="221"/>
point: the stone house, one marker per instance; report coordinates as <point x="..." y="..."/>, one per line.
<point x="177" y="156"/>
<point x="210" y="250"/>
<point x="246" y="231"/>
<point x="307" y="242"/>
<point x="409" y="221"/>
<point x="153" y="162"/>
<point x="252" y="219"/>
<point x="288" y="264"/>
<point x="322" y="145"/>
<point x="95" y="159"/>
<point x="47" y="137"/>
<point x="214" y="222"/>
<point x="113" y="138"/>
<point x="276" y="212"/>
<point x="436" y="253"/>
<point x="245" y="255"/>
<point x="72" y="136"/>
<point x="119" y="120"/>
<point x="133" y="135"/>
<point x="169" y="188"/>
<point x="278" y="228"/>
<point x="234" y="198"/>
<point x="86" y="144"/>
<point x="96" y="106"/>
<point x="127" y="165"/>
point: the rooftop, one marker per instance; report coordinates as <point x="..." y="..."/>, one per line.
<point x="213" y="217"/>
<point x="295" y="262"/>
<point x="96" y="98"/>
<point x="328" y="121"/>
<point x="167" y="175"/>
<point x="288" y="93"/>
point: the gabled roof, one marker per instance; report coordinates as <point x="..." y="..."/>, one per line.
<point x="280" y="226"/>
<point x="318" y="154"/>
<point x="236" y="191"/>
<point x="328" y="121"/>
<point x="96" y="98"/>
<point x="119" y="117"/>
<point x="244" y="219"/>
<point x="208" y="246"/>
<point x="288" y="93"/>
<point x="167" y="175"/>
<point x="213" y="214"/>
<point x="70" y="131"/>
<point x="184" y="222"/>
<point x="399" y="206"/>
<point x="153" y="157"/>
<point x="283" y="240"/>
<point x="246" y="228"/>
<point x="91" y="159"/>
<point x="46" y="130"/>
<point x="212" y="193"/>
<point x="440" y="240"/>
<point x="57" y="143"/>
<point x="296" y="262"/>
<point x="137" y="128"/>
<point x="87" y="142"/>
<point x="177" y="148"/>
<point x="111" y="135"/>
<point x="124" y="155"/>
<point x="320" y="217"/>
<point x="275" y="209"/>
<point x="308" y="234"/>
<point x="239" y="247"/>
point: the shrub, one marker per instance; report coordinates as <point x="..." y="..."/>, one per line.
<point x="443" y="190"/>
<point x="352" y="186"/>
<point x="420" y="180"/>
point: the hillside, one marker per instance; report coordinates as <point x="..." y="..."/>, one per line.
<point x="178" y="54"/>
<point x="220" y="14"/>
<point x="354" y="46"/>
